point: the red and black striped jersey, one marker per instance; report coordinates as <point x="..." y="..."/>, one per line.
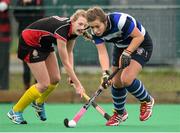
<point x="47" y="30"/>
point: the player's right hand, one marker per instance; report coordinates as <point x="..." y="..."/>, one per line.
<point x="79" y="88"/>
<point x="104" y="79"/>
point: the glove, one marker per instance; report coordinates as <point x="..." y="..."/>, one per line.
<point x="104" y="80"/>
<point x="125" y="58"/>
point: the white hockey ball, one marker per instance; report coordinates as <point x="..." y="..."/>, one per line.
<point x="72" y="123"/>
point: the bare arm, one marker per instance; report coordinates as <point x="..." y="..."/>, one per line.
<point x="70" y="47"/>
<point x="63" y="53"/>
<point x="125" y="58"/>
<point x="136" y="41"/>
<point x="103" y="56"/>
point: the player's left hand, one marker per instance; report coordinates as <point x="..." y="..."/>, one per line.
<point x="125" y="59"/>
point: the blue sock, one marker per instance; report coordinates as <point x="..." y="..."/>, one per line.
<point x="119" y="98"/>
<point x="138" y="90"/>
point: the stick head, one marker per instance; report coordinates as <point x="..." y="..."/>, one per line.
<point x="69" y="124"/>
<point x="66" y="122"/>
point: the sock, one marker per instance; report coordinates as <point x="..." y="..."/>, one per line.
<point x="119" y="98"/>
<point x="30" y="95"/>
<point x="45" y="95"/>
<point x="138" y="90"/>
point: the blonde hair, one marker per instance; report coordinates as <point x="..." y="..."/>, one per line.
<point x="77" y="14"/>
<point x="96" y="13"/>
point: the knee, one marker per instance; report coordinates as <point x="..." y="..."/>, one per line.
<point x="56" y="79"/>
<point x="117" y="83"/>
<point x="126" y="81"/>
<point x="43" y="86"/>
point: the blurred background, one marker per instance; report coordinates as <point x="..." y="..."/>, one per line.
<point x="161" y="18"/>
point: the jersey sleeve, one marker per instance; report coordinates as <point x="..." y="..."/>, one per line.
<point x="62" y="32"/>
<point x="97" y="40"/>
<point x="128" y="27"/>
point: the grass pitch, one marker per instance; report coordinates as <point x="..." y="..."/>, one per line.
<point x="165" y="118"/>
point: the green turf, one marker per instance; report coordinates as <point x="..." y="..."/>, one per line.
<point x="165" y="118"/>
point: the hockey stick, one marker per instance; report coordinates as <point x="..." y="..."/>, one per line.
<point x="82" y="111"/>
<point x="94" y="104"/>
<point x="97" y="107"/>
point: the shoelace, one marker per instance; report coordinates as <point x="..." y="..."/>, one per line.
<point x="115" y="117"/>
<point x="39" y="108"/>
<point x="145" y="107"/>
<point x="18" y="117"/>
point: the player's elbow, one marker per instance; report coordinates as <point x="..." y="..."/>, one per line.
<point x="141" y="38"/>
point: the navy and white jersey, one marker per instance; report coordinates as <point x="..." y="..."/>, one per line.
<point x="119" y="28"/>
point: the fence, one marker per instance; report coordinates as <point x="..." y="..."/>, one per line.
<point x="162" y="23"/>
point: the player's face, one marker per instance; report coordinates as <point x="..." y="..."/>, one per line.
<point x="80" y="25"/>
<point x="98" y="27"/>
